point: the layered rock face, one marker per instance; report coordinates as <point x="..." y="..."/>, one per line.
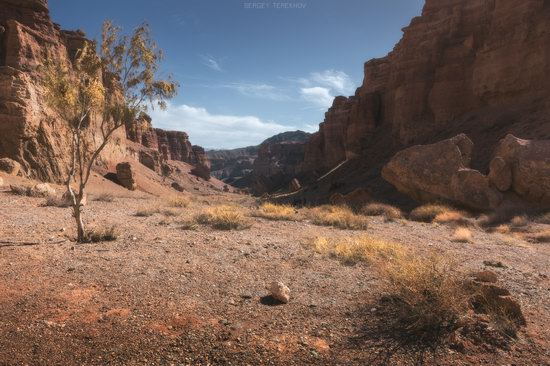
<point x="476" y="66"/>
<point x="265" y="167"/>
<point x="30" y="133"/>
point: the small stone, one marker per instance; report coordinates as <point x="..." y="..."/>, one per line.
<point x="279" y="291"/>
<point x="486" y="277"/>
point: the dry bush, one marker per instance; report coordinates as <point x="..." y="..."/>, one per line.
<point x="147" y="211"/>
<point x="224" y="218"/>
<point x="341" y="217"/>
<point x="171" y="212"/>
<point x="189" y="225"/>
<point x="104" y="197"/>
<point x="428" y="212"/>
<point x="381" y="209"/>
<point x="541" y="237"/>
<point x="428" y="295"/>
<point x="359" y="249"/>
<point x="97" y="235"/>
<point x="179" y="202"/>
<point x="519" y="221"/>
<point x="503" y="229"/>
<point x="272" y="211"/>
<point x="462" y="235"/>
<point x="452" y="217"/>
<point x="20" y="190"/>
<point x="56" y="201"/>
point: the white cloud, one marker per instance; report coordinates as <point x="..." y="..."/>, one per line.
<point x="262" y="91"/>
<point x="216" y="130"/>
<point x="320" y="88"/>
<point x="319" y="96"/>
<point x="338" y="81"/>
<point x="211" y="62"/>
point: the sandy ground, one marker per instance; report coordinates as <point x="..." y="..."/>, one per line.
<point x="161" y="295"/>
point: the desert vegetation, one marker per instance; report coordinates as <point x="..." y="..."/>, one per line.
<point x="272" y="211"/>
<point x="381" y="209"/>
<point x="338" y="216"/>
<point x="224" y="217"/>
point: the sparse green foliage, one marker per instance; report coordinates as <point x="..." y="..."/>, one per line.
<point x="104" y="88"/>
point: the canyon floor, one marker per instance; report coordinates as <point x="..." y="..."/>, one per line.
<point x="163" y="295"/>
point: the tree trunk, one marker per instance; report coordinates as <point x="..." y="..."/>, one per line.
<point x="81" y="234"/>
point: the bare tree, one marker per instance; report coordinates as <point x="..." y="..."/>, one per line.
<point x="103" y="88"/>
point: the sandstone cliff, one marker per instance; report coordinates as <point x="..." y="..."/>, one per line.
<point x="479" y="67"/>
<point x="33" y="135"/>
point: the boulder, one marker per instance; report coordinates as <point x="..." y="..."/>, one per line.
<point x="10" y="166"/>
<point x="150" y="160"/>
<point x="42" y="190"/>
<point x="500" y="174"/>
<point x="126" y="175"/>
<point x="279" y="291"/>
<point x="441" y="171"/>
<point x="529" y="161"/>
<point x="178" y="187"/>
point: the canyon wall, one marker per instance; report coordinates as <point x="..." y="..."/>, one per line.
<point x="475" y="66"/>
<point x="32" y="134"/>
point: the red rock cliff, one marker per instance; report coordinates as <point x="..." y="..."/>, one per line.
<point x="475" y="66"/>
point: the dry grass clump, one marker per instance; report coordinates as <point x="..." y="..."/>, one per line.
<point x="272" y="211"/>
<point x="179" y="202"/>
<point x="20" y="190"/>
<point x="171" y="212"/>
<point x="428" y="295"/>
<point x="453" y="218"/>
<point x="104" y="197"/>
<point x="101" y="234"/>
<point x="462" y="235"/>
<point x="359" y="249"/>
<point x="147" y="211"/>
<point x="541" y="237"/>
<point x="55" y="201"/>
<point x="381" y="209"/>
<point x="341" y="217"/>
<point x="428" y="212"/>
<point x="519" y="221"/>
<point x="224" y="218"/>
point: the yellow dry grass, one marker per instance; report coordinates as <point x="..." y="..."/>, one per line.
<point x="428" y="294"/>
<point x="341" y="217"/>
<point x="428" y="212"/>
<point x="382" y="209"/>
<point x="462" y="235"/>
<point x="452" y="217"/>
<point x="272" y="211"/>
<point x="358" y="249"/>
<point x="541" y="237"/>
<point x="224" y="217"/>
<point x="179" y="202"/>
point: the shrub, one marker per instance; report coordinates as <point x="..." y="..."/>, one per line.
<point x="97" y="235"/>
<point x="519" y="221"/>
<point x="171" y="212"/>
<point x="380" y="209"/>
<point x="179" y="202"/>
<point x="462" y="235"/>
<point x="273" y="211"/>
<point x="358" y="249"/>
<point x="544" y="218"/>
<point x="542" y="237"/>
<point x="338" y="216"/>
<point x="223" y="218"/>
<point x="452" y="217"/>
<point x="55" y="201"/>
<point x="147" y="211"/>
<point x="20" y="190"/>
<point x="104" y="197"/>
<point x="427" y="213"/>
<point x="428" y="295"/>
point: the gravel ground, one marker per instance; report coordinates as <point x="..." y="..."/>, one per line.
<point x="161" y="295"/>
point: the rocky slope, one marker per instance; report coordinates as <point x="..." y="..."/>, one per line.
<point x="273" y="161"/>
<point x="463" y="66"/>
<point x="30" y="133"/>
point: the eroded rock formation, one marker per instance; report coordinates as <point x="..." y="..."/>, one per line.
<point x="30" y="133"/>
<point x="478" y="67"/>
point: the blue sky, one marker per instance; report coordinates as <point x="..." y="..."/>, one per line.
<point x="251" y="69"/>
